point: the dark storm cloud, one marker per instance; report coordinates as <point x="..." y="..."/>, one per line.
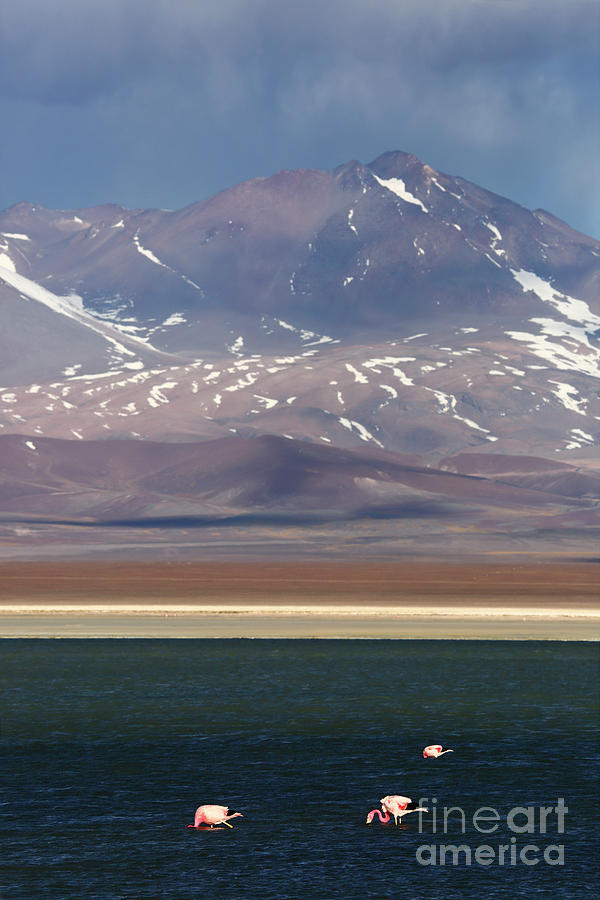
<point x="72" y="51"/>
<point x="484" y="88"/>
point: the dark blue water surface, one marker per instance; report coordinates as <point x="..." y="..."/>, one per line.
<point x="109" y="746"/>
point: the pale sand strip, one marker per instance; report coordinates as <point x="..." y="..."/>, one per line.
<point x="306" y="621"/>
<point x="320" y="610"/>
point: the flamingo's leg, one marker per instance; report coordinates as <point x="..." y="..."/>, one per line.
<point x="227" y="823"/>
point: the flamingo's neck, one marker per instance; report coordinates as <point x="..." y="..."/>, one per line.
<point x="383" y="819"/>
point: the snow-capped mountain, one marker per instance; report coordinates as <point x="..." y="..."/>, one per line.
<point x="386" y="305"/>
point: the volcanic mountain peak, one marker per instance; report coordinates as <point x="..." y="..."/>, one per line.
<point x="385" y="304"/>
<point x="399" y="164"/>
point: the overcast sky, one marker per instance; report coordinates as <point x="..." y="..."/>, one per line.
<point x="159" y="103"/>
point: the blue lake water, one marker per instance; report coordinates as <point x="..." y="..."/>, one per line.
<point x="110" y="745"/>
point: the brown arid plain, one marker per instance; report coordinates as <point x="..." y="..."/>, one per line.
<point x="370" y="599"/>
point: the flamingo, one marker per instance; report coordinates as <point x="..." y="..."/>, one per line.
<point x="434" y="750"/>
<point x="395" y="805"/>
<point x="384" y="819"/>
<point x="211" y="814"/>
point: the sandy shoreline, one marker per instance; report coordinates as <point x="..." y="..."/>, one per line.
<point x="343" y="622"/>
<point x="290" y="600"/>
<point x="339" y="611"/>
<point x="297" y="627"/>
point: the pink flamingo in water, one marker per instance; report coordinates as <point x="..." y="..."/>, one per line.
<point x="434" y="750"/>
<point x="211" y="814"/>
<point x="384" y="819"/>
<point x="394" y="805"/>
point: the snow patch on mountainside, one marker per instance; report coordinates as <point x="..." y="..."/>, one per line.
<point x="363" y="433"/>
<point x="267" y="402"/>
<point x="156" y="396"/>
<point x="567" y="347"/>
<point x="66" y="306"/>
<point x="447" y="403"/>
<point x="309" y="338"/>
<point x="174" y="319"/>
<point x="496" y="240"/>
<point x="571" y="307"/>
<point x="391" y="363"/>
<point x="359" y="378"/>
<point x="350" y="224"/>
<point x="397" y="187"/>
<point x="147" y="253"/>
<point x="70" y="306"/>
<point x="236" y="347"/>
<point x="567" y="395"/>
<point x="153" y="258"/>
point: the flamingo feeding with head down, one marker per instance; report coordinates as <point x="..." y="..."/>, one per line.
<point x="383" y="818"/>
<point x="434" y="750"/>
<point x="394" y="805"/>
<point x="211" y="814"/>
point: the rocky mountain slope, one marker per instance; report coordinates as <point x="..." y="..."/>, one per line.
<point x="271" y="479"/>
<point x="387" y="304"/>
<point x="385" y="309"/>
